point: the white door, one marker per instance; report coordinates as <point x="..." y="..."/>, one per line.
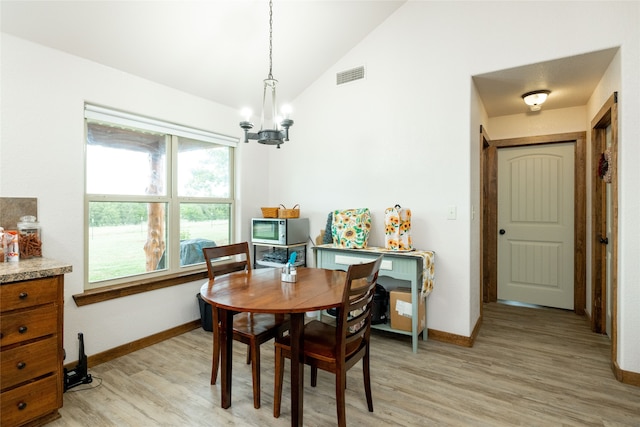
<point x="535" y="223"/>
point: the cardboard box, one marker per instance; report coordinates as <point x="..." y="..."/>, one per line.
<point x="401" y="310"/>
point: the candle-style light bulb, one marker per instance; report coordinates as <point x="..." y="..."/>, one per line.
<point x="246" y="114"/>
<point x="286" y="111"/>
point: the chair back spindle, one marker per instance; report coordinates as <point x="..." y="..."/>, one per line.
<point x="354" y="317"/>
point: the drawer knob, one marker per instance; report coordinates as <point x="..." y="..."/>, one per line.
<point x="23" y="295"/>
<point x="21" y="365"/>
<point x="22" y="329"/>
<point x="22" y="405"/>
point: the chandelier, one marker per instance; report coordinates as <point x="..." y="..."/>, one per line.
<point x="280" y="131"/>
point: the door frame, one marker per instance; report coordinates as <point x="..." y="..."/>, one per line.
<point x="607" y="116"/>
<point x="489" y="211"/>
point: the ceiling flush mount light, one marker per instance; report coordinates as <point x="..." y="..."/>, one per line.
<point x="535" y="98"/>
<point x="280" y="127"/>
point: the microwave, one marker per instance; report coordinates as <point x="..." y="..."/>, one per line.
<point x="279" y="231"/>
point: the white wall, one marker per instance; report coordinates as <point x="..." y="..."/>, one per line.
<point x="403" y="134"/>
<point x="478" y="118"/>
<point x="42" y="152"/>
<point x="544" y="122"/>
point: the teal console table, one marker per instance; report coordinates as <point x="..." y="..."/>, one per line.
<point x="416" y="267"/>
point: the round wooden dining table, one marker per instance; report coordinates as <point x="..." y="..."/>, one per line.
<point x="262" y="291"/>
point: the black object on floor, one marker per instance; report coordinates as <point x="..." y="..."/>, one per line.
<point x="206" y="316"/>
<point x="79" y="375"/>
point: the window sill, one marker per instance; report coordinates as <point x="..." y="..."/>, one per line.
<point x="107" y="293"/>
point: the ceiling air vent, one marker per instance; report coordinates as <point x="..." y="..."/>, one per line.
<point x="350" y="75"/>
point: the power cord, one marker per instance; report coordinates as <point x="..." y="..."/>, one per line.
<point x="88" y="387"/>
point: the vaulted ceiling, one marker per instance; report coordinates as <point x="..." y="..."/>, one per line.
<point x="216" y="49"/>
<point x="219" y="49"/>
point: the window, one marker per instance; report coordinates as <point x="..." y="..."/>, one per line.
<point x="156" y="194"/>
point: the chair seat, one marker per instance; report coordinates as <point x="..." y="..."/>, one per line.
<point x="320" y="341"/>
<point x="257" y="324"/>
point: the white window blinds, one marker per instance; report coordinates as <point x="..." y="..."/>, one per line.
<point x="105" y="115"/>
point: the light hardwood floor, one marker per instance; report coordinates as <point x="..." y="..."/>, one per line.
<point x="528" y="367"/>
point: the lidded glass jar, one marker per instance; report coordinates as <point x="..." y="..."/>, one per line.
<point x="30" y="243"/>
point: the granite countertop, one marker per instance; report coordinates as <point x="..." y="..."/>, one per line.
<point x="33" y="268"/>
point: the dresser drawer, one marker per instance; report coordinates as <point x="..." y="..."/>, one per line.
<point x="29" y="361"/>
<point x="28" y="293"/>
<point x="28" y="324"/>
<point x="28" y="402"/>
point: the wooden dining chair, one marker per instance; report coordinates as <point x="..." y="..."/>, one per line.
<point x="248" y="328"/>
<point x="337" y="348"/>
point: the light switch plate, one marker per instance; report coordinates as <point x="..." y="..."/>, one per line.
<point x="451" y="212"/>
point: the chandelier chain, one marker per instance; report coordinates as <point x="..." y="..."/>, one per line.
<point x="270" y="39"/>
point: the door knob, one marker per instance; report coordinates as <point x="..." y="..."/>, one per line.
<point x="502" y="231"/>
<point x="604" y="240"/>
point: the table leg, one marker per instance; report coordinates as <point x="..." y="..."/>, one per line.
<point x="425" y="331"/>
<point x="297" y="367"/>
<point x="226" y="355"/>
<point x="415" y="297"/>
